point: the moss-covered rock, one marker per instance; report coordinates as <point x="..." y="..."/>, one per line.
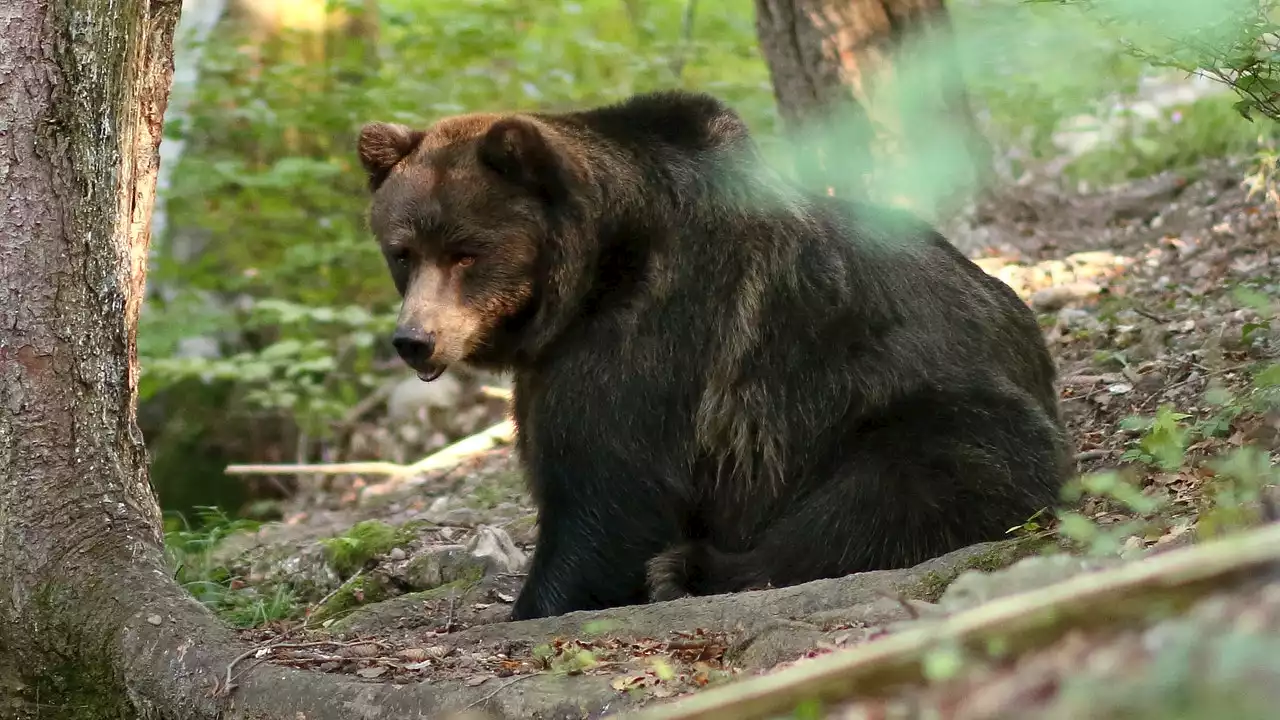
<point x="367" y="539"/>
<point x="355" y="593"/>
<point x="998" y="555"/>
<point x="524" y="529"/>
<point x="407" y="610"/>
<point x="442" y="566"/>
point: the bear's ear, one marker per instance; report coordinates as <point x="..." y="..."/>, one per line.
<point x="520" y="151"/>
<point x="382" y="145"/>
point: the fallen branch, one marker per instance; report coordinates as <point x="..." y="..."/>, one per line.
<point x="1016" y="623"/>
<point x="500" y="393"/>
<point x="499" y="434"/>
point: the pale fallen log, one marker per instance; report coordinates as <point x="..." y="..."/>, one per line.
<point x="500" y="393"/>
<point x="1131" y="592"/>
<point x="499" y="434"/>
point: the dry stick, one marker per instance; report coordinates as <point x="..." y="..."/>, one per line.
<point x="486" y="439"/>
<point x="1019" y="622"/>
<point x="499" y="393"/>
<point x="499" y="689"/>
<point x="228" y="682"/>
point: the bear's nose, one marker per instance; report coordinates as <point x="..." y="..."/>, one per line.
<point x="414" y="345"/>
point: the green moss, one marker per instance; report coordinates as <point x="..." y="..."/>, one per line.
<point x="522" y="529"/>
<point x="79" y="689"/>
<point x="349" y="614"/>
<point x="505" y="486"/>
<point x="458" y="586"/>
<point x="355" y="593"/>
<point x="934" y="583"/>
<point x="72" y="676"/>
<point x="349" y="552"/>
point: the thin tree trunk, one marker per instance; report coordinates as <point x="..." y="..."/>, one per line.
<point x="841" y="71"/>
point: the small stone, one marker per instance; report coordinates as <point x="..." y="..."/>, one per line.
<point x="441" y="565"/>
<point x="1072" y="318"/>
<point x="397" y="555"/>
<point x="497" y="548"/>
<point x="460" y="517"/>
<point x="154" y="619"/>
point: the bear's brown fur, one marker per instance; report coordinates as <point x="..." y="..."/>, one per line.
<point x="721" y="380"/>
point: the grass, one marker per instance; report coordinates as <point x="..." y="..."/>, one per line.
<point x="189" y="549"/>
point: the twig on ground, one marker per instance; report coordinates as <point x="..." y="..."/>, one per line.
<point x="449" y="619"/>
<point x="228" y="683"/>
<point x="1017" y="622"/>
<point x="498" y="689"/>
<point x="1152" y="316"/>
<point x="487" y="439"/>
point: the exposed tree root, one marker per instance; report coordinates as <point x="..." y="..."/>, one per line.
<point x="1130" y="593"/>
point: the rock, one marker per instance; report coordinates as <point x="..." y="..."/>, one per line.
<point x="524" y="529"/>
<point x="498" y="549"/>
<point x="1074" y="318"/>
<point x="442" y="565"/>
<point x="438" y="508"/>
<point x="973" y="587"/>
<point x="369" y="589"/>
<point x="461" y="517"/>
<point x="775" y="643"/>
<point x="396" y="555"/>
<point x="463" y="602"/>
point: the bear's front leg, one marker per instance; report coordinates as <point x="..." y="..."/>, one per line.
<point x="596" y="532"/>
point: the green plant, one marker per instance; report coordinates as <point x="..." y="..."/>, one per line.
<point x="189" y="550"/>
<point x="1095" y="539"/>
<point x="348" y="552"/>
<point x="1163" y="441"/>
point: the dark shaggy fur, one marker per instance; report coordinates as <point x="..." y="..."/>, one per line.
<point x="721" y="381"/>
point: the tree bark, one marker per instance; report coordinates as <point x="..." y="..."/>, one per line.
<point x="859" y="82"/>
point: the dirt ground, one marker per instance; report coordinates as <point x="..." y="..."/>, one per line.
<point x="1137" y="289"/>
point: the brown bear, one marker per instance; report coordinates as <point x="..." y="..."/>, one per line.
<point x="722" y="381"/>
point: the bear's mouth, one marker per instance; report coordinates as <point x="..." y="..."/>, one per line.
<point x="429" y="375"/>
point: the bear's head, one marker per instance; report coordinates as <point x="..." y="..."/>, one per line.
<point x="472" y="215"/>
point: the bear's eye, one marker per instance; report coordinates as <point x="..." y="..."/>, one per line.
<point x="464" y="260"/>
<point x="400" y="256"/>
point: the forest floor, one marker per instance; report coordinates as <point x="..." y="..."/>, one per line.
<point x="1155" y="299"/>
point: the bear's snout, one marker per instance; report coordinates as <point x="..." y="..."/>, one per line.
<point x="416" y="346"/>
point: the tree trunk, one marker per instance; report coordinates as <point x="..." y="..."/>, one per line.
<point x="866" y="87"/>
